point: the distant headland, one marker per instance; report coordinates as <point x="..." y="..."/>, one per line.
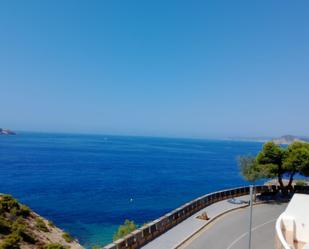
<point x="286" y="139"/>
<point x="7" y="132"/>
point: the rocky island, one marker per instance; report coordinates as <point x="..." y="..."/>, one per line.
<point x="21" y="228"/>
<point x="7" y="132"/>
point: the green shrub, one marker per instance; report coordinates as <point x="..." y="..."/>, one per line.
<point x="14" y="212"/>
<point x="28" y="237"/>
<point x="40" y="224"/>
<point x="5" y="226"/>
<point x="67" y="237"/>
<point x="10" y="205"/>
<point x="54" y="246"/>
<point x="11" y="241"/>
<point x="123" y="230"/>
<point x="51" y="224"/>
<point x="24" y="211"/>
<point x="301" y="183"/>
<point x="19" y="228"/>
<point x="12" y="223"/>
<point x="7" y="202"/>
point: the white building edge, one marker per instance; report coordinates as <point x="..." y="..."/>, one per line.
<point x="292" y="226"/>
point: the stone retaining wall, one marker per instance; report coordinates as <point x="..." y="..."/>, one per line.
<point x="152" y="230"/>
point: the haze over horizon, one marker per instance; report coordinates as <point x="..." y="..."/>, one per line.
<point x="177" y="68"/>
<point x="256" y="138"/>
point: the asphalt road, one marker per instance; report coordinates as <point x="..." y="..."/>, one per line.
<point x="231" y="230"/>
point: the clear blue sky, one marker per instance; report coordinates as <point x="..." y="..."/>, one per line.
<point x="164" y="68"/>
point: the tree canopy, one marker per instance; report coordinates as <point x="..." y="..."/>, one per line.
<point x="249" y="168"/>
<point x="296" y="160"/>
<point x="277" y="161"/>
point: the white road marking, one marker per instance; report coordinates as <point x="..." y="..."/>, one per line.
<point x="253" y="229"/>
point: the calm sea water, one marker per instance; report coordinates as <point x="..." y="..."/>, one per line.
<point x="89" y="184"/>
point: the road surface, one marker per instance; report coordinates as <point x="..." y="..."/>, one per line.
<point x="230" y="231"/>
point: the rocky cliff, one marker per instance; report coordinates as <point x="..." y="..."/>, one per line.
<point x="21" y="228"/>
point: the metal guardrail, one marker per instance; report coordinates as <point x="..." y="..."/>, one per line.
<point x="152" y="230"/>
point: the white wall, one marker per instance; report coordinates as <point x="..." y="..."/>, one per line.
<point x="298" y="210"/>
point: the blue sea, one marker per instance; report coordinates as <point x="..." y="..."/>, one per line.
<point x="89" y="184"/>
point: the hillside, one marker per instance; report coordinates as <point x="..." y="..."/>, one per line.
<point x="21" y="228"/>
<point x="288" y="139"/>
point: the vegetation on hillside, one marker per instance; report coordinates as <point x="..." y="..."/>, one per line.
<point x="54" y="246"/>
<point x="40" y="224"/>
<point x="67" y="237"/>
<point x="20" y="227"/>
<point x="276" y="161"/>
<point x="13" y="228"/>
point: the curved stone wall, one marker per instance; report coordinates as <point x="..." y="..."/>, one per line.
<point x="152" y="230"/>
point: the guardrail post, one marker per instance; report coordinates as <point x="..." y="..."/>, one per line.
<point x="250" y="217"/>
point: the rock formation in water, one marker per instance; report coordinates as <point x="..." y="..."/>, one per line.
<point x="7" y="132"/>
